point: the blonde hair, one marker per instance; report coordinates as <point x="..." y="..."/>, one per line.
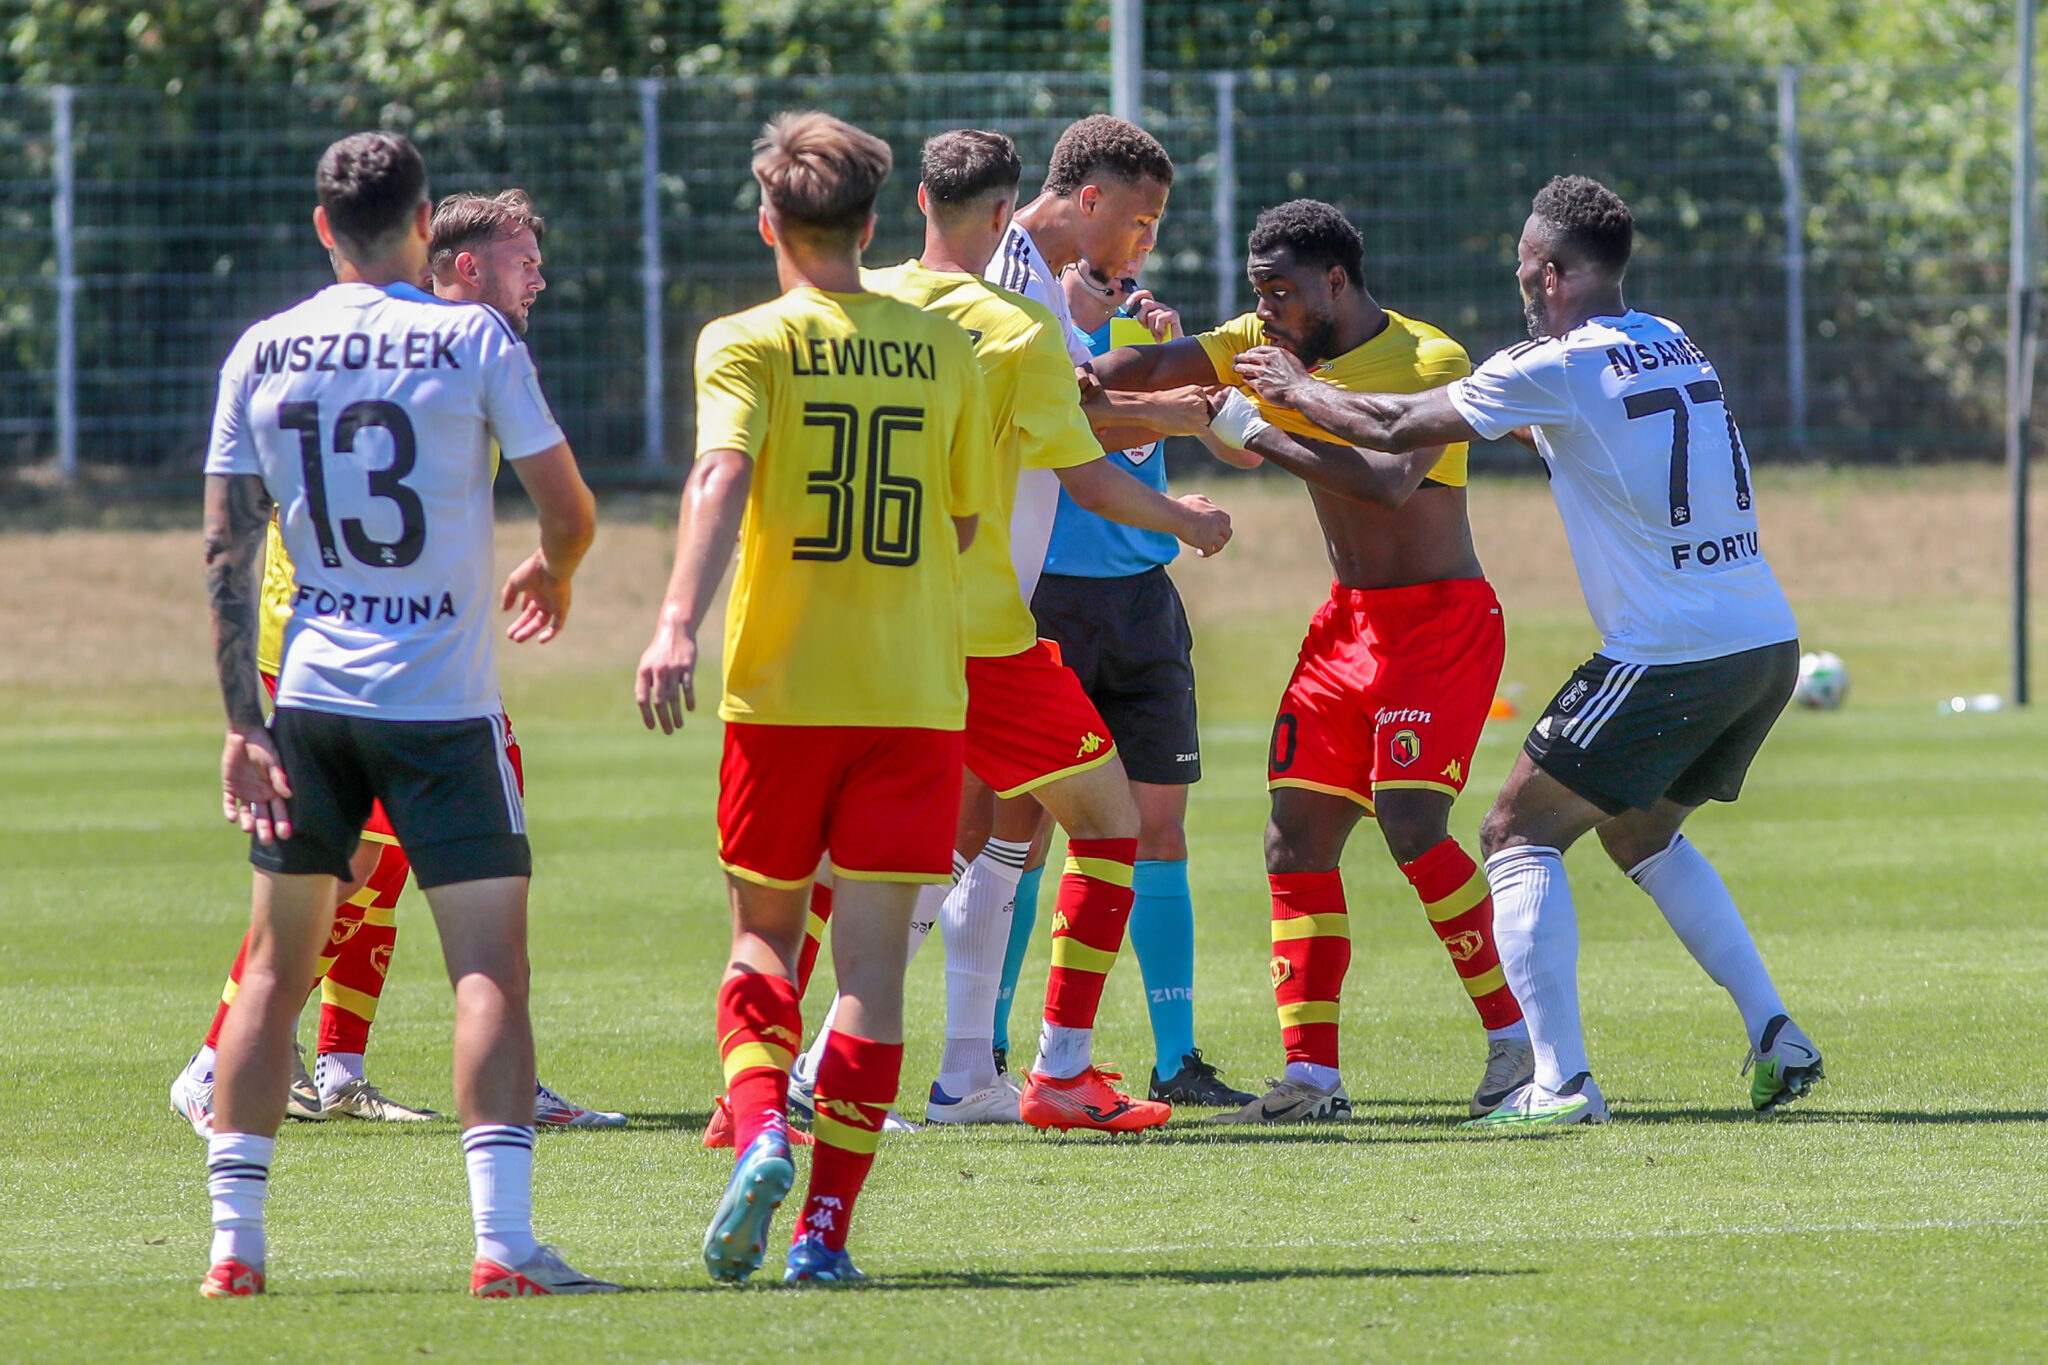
<point x="820" y="173"/>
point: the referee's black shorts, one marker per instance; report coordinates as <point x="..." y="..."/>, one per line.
<point x="1128" y="640"/>
<point x="449" y="788"/>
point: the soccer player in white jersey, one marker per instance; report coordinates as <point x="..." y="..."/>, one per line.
<point x="1698" y="653"/>
<point x="367" y="415"/>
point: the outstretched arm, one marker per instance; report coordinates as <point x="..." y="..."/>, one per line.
<point x="1111" y="493"/>
<point x="1370" y="476"/>
<point x="1395" y="422"/>
<point x="714" y="500"/>
<point x="253" y="782"/>
<point x="1170" y="365"/>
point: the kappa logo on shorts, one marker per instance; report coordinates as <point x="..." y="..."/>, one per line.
<point x="1406" y="747"/>
<point x="1574" y="694"/>
<point x="1281" y="970"/>
<point x="1465" y="946"/>
<point x="1091" y="743"/>
<point x="1454" y="771"/>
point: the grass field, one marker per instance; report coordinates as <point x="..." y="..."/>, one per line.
<point x="1888" y="858"/>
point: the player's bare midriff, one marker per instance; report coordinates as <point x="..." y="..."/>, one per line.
<point x="1425" y="540"/>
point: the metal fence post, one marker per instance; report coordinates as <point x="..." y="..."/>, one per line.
<point x="67" y="281"/>
<point x="2022" y="304"/>
<point x="653" y="454"/>
<point x="1225" y="207"/>
<point x="1795" y="253"/>
<point x="1127" y="59"/>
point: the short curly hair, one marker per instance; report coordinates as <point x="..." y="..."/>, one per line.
<point x="1317" y="233"/>
<point x="1102" y="145"/>
<point x="370" y="184"/>
<point x="1586" y="220"/>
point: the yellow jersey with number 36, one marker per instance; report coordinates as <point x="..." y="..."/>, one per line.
<point x="1406" y="357"/>
<point x="868" y="428"/>
<point x="1035" y="407"/>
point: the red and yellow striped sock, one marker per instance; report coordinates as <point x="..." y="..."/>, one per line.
<point x="1311" y="953"/>
<point x="227" y="994"/>
<point x="1460" y="908"/>
<point x="760" y="1028"/>
<point x="358" y="954"/>
<point x="814" y="934"/>
<point x="1088" y="923"/>
<point x="857" y="1080"/>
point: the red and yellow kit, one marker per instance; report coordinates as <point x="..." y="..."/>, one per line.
<point x="867" y="424"/>
<point x="1028" y="720"/>
<point x="1391" y="691"/>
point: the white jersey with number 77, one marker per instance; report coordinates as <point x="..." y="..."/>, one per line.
<point x="1651" y="478"/>
<point x="370" y="413"/>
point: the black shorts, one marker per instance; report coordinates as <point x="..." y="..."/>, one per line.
<point x="1627" y="735"/>
<point x="448" y="787"/>
<point x="1128" y="640"/>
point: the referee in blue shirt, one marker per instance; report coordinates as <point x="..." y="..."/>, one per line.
<point x="1106" y="600"/>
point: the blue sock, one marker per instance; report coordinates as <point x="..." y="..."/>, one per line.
<point x="1022" y="920"/>
<point x="1162" y="933"/>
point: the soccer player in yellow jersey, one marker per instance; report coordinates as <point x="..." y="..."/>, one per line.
<point x="1398" y="670"/>
<point x="480" y="250"/>
<point x="1030" y="726"/>
<point x="843" y="444"/>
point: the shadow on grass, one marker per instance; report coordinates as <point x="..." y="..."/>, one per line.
<point x="1674" y="1113"/>
<point x="1033" y="1281"/>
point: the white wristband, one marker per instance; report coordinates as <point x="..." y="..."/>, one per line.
<point x="1237" y="421"/>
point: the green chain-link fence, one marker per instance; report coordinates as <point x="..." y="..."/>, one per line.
<point x="190" y="219"/>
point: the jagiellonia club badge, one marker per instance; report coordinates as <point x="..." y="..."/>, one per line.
<point x="1406" y="747"/>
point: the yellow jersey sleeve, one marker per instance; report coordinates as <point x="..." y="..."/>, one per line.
<point x="275" y="609"/>
<point x="732" y="390"/>
<point x="1406" y="357"/>
<point x="1052" y="431"/>
<point x="1225" y="343"/>
<point x="971" y="484"/>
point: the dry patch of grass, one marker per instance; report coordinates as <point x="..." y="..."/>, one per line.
<point x="120" y="610"/>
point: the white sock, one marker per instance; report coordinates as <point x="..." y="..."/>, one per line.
<point x="975" y="922"/>
<point x="238" y="1180"/>
<point x="201" y="1065"/>
<point x="1697" y="906"/>
<point x="1063" y="1052"/>
<point x="1315" y="1074"/>
<point x="1538" y="936"/>
<point x="931" y="897"/>
<point x="333" y="1070"/>
<point x="500" y="1161"/>
<point x="806" y="1068"/>
<point x="1519" y="1031"/>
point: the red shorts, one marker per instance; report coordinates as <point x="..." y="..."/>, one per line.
<point x="1029" y="722"/>
<point x="881" y="801"/>
<point x="1391" y="691"/>
<point x="378" y="828"/>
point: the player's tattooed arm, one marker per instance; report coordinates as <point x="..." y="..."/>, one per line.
<point x="253" y="782"/>
<point x="1392" y="422"/>
<point x="707" y="533"/>
<point x="237" y="511"/>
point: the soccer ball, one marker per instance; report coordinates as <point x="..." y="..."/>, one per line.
<point x="1823" y="681"/>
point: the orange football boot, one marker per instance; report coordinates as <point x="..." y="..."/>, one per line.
<point x="231" y="1279"/>
<point x="1087" y="1101"/>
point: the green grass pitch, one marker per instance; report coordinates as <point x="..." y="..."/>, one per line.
<point x="1889" y="860"/>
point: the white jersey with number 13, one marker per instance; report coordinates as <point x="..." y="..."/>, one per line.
<point x="369" y="413"/>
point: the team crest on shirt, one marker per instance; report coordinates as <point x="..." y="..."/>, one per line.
<point x="1573" y="695"/>
<point x="1406" y="747"/>
<point x="1466" y="946"/>
<point x="1282" y="969"/>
